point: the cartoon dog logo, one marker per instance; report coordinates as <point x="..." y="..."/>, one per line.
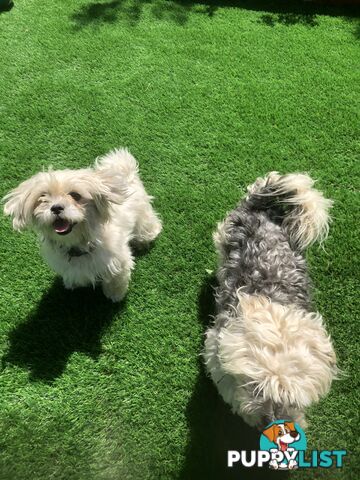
<point x="282" y="435"/>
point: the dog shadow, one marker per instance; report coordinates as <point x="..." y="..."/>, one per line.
<point x="6" y="6"/>
<point x="214" y="429"/>
<point x="64" y="322"/>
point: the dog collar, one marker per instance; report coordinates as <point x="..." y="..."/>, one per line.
<point x="78" y="252"/>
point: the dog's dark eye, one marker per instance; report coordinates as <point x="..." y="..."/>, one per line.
<point x="76" y="196"/>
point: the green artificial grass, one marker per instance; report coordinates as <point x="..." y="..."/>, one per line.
<point x="207" y="96"/>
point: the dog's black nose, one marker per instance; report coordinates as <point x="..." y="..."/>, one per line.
<point x="56" y="209"/>
<point x="294" y="433"/>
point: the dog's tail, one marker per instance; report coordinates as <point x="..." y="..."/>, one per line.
<point x="118" y="162"/>
<point x="305" y="209"/>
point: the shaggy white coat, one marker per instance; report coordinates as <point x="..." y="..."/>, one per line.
<point x="86" y="220"/>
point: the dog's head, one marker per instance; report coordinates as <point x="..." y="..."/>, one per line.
<point x="282" y="434"/>
<point x="64" y="205"/>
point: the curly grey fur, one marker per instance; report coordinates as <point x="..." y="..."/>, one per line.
<point x="259" y="259"/>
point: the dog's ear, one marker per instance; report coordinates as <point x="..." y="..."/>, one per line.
<point x="116" y="189"/>
<point x="271" y="433"/>
<point x="105" y="190"/>
<point x="20" y="202"/>
<point x="291" y="426"/>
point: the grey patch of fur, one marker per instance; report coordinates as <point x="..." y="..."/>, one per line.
<point x="258" y="258"/>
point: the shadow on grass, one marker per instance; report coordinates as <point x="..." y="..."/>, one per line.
<point x="129" y="11"/>
<point x="64" y="322"/>
<point x="107" y="12"/>
<point x="288" y="19"/>
<point x="290" y="12"/>
<point x="6" y="6"/>
<point x="213" y="428"/>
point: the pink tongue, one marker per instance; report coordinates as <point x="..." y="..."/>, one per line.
<point x="61" y="226"/>
<point x="283" y="446"/>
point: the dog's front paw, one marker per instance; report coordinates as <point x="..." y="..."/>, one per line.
<point x="114" y="290"/>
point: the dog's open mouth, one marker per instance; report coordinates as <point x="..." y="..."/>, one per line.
<point x="62" y="227"/>
<point x="283" y="446"/>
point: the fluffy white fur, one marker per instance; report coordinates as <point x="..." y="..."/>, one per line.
<point x="86" y="220"/>
<point x="273" y="353"/>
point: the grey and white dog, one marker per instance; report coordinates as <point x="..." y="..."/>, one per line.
<point x="267" y="351"/>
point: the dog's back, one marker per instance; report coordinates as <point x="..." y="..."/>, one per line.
<point x="261" y="241"/>
<point x="259" y="259"/>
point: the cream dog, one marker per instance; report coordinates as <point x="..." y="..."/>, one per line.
<point x="86" y="220"/>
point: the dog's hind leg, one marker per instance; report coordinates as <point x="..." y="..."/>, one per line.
<point x="148" y="225"/>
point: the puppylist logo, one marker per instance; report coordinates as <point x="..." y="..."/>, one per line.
<point x="283" y="447"/>
<point x="283" y="440"/>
